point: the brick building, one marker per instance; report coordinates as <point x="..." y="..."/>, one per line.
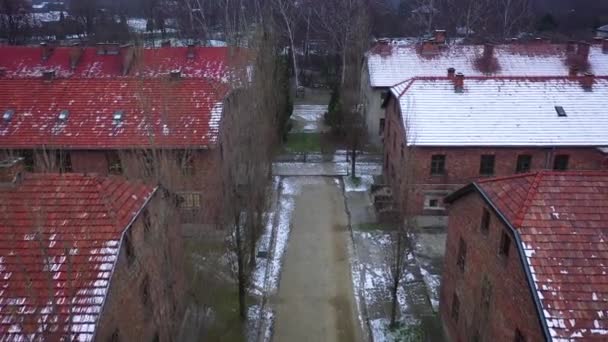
<point x="86" y="257"/>
<point x="526" y="259"/>
<point x="391" y="62"/>
<point x="444" y="132"/>
<point x="164" y="129"/>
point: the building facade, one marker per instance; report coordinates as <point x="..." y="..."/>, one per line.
<point x="524" y="259"/>
<point x="88" y="258"/>
<point x="438" y="138"/>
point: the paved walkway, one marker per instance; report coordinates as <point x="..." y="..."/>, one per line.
<point x="315" y="301"/>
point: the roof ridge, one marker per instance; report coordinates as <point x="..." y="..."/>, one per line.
<point x="519" y="216"/>
<point x="496" y="179"/>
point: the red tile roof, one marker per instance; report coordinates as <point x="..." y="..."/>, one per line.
<point x="61" y="235"/>
<point x="157" y="112"/>
<point x="206" y="62"/>
<point x="562" y="220"/>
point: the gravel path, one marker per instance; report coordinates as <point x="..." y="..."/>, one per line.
<point x="315" y="301"/>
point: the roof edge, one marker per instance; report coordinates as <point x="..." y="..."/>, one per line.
<point x="122" y="237"/>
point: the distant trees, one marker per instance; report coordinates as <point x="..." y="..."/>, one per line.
<point x="15" y="20"/>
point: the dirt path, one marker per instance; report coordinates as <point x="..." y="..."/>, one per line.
<point x="315" y="300"/>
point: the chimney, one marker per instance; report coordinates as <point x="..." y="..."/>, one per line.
<point x="587" y="81"/>
<point x="459" y="83"/>
<point x="191" y="51"/>
<point x="583" y="50"/>
<point x="571" y="46"/>
<point x="127" y="52"/>
<point x="429" y="47"/>
<point x="48" y="75"/>
<point x="46" y="51"/>
<point x="165" y="43"/>
<point x="451" y="72"/>
<point x="11" y="171"/>
<point x="440" y="36"/>
<point x="605" y="45"/>
<point x="573" y="71"/>
<point x="175" y="74"/>
<point x="488" y="51"/>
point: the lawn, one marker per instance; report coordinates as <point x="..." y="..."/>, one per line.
<point x="303" y="143"/>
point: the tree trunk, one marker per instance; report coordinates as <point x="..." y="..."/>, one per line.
<point x="353" y="157"/>
<point x="241" y="276"/>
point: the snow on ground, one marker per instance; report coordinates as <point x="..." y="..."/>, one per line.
<point x="361" y="183"/>
<point x="308" y="118"/>
<point x="324" y="168"/>
<point x="432" y="281"/>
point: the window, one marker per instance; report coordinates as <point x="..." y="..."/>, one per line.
<point x="433" y="203"/>
<point x="129" y="252"/>
<point x="63" y="161"/>
<point x="560" y="163"/>
<point x="28" y="159"/>
<point x="486" y="166"/>
<point x="524" y="161"/>
<point x="560" y="111"/>
<point x="485" y="221"/>
<point x="148" y="162"/>
<point x="115" y="337"/>
<point x="402" y="150"/>
<point x="145" y="218"/>
<point x="519" y="337"/>
<point x="186" y="161"/>
<point x="438" y="164"/>
<point x="486" y="294"/>
<point x="505" y="244"/>
<point x="381" y="130"/>
<point x="114" y="164"/>
<point x="455" y="307"/>
<point x="462" y="254"/>
<point x="190" y="201"/>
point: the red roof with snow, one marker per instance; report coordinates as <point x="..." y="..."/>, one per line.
<point x="155" y="112"/>
<point x="61" y="235"/>
<point x="204" y="62"/>
<point x="562" y="219"/>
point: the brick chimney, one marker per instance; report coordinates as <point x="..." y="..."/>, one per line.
<point x="440" y="36"/>
<point x="583" y="50"/>
<point x="605" y="45"/>
<point x="175" y="74"/>
<point x="191" y="52"/>
<point x="573" y="71"/>
<point x="46" y="51"/>
<point x="48" y="75"/>
<point x="429" y="47"/>
<point x="127" y="52"/>
<point x="11" y="171"/>
<point x="451" y="73"/>
<point x="587" y="81"/>
<point x="488" y="51"/>
<point x="459" y="82"/>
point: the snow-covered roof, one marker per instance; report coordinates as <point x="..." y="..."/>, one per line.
<point x="392" y="63"/>
<point x="504" y="112"/>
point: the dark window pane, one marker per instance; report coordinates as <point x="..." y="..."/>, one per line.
<point x="519" y="337"/>
<point x="437" y="164"/>
<point x="381" y="130"/>
<point x="485" y="221"/>
<point x="505" y="244"/>
<point x="455" y="307"/>
<point x="524" y="162"/>
<point x="561" y="162"/>
<point x="114" y="164"/>
<point x="462" y="254"/>
<point x="486" y="166"/>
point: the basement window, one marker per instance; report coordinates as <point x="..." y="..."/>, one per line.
<point x="8" y="115"/>
<point x="63" y="115"/>
<point x="560" y="111"/>
<point x="561" y="162"/>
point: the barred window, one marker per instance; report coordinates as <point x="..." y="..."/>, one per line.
<point x="190" y="200"/>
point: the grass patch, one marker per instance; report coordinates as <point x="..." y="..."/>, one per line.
<point x="374" y="227"/>
<point x="303" y="142"/>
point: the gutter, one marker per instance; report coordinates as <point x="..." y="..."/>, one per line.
<point x="524" y="261"/>
<point x="122" y="238"/>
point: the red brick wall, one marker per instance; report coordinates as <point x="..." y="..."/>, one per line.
<point x="511" y="304"/>
<point x="158" y="261"/>
<point x="462" y="163"/>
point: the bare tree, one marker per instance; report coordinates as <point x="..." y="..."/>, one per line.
<point x="288" y="11"/>
<point x="15" y="20"/>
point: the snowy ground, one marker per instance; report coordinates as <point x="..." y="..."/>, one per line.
<point x="308" y="118"/>
<point x="372" y="277"/>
